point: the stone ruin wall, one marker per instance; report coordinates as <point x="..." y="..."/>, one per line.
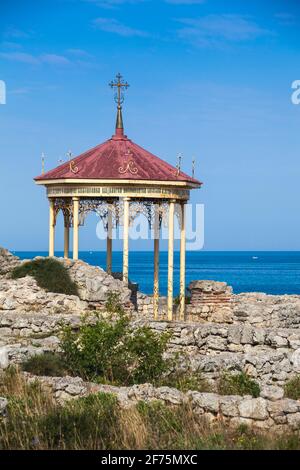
<point x="252" y="332"/>
<point x="265" y="413"/>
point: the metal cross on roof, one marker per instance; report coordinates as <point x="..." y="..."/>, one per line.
<point x="120" y="84"/>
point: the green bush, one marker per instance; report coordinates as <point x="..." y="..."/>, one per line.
<point x="110" y="351"/>
<point x="238" y="384"/>
<point x="80" y="422"/>
<point x="45" y="364"/>
<point x="187" y="299"/>
<point x="185" y="381"/>
<point x="49" y="274"/>
<point x="292" y="388"/>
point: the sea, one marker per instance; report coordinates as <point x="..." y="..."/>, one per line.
<point x="246" y="271"/>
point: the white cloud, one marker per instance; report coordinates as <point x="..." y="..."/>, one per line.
<point x="285" y="19"/>
<point x="215" y="30"/>
<point x="111" y="4"/>
<point x="20" y="57"/>
<point x="54" y="59"/>
<point x="185" y="2"/>
<point x="81" y="53"/>
<point x="12" y="32"/>
<point x="111" y="25"/>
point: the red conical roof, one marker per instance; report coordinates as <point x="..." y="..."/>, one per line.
<point x="118" y="158"/>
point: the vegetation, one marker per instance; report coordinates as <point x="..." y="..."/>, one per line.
<point x="238" y="384"/>
<point x="35" y="421"/>
<point x="109" y="351"/>
<point x="292" y="388"/>
<point x="185" y="380"/>
<point x="46" y="364"/>
<point x="49" y="274"/>
<point x="187" y="300"/>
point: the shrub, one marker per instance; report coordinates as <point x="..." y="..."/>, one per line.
<point x="49" y="274"/>
<point x="110" y="351"/>
<point x="79" y="423"/>
<point x="147" y="349"/>
<point x="238" y="384"/>
<point x="292" y="388"/>
<point x="185" y="381"/>
<point x="45" y="364"/>
<point x="187" y="299"/>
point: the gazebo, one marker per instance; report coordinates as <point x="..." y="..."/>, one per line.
<point x="119" y="180"/>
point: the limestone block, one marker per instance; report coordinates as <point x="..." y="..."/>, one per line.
<point x="254" y="408"/>
<point x="272" y="392"/>
<point x="207" y="401"/>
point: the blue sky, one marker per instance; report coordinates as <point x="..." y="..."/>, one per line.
<point x="211" y="79"/>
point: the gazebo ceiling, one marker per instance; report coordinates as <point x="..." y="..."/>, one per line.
<point x="118" y="159"/>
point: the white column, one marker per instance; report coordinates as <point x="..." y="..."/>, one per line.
<point x="171" y="259"/>
<point x="125" y="238"/>
<point x="51" y="227"/>
<point x="66" y="240"/>
<point x="109" y="242"/>
<point x="182" y="263"/>
<point x="156" y="263"/>
<point x="75" y="226"/>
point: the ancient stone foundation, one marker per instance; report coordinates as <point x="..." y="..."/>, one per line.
<point x="255" y="333"/>
<point x="274" y="413"/>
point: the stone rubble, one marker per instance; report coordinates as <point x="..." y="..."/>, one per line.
<point x="7" y="262"/>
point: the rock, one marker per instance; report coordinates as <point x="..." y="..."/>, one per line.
<point x="295" y="360"/>
<point x="247" y="335"/>
<point x="209" y="286"/>
<point x="222" y="315"/>
<point x="294" y="421"/>
<point x="74" y="389"/>
<point x="3" y="406"/>
<point x="169" y="395"/>
<point x="234" y="334"/>
<point x="24" y="296"/>
<point x="207" y="401"/>
<point x="62" y="396"/>
<point x="215" y="342"/>
<point x="7" y="262"/>
<point x="250" y="370"/>
<point x="4" y="361"/>
<point x="283" y="407"/>
<point x="94" y="283"/>
<point x="254" y="408"/>
<point x="294" y="341"/>
<point x="279" y="341"/>
<point x="272" y="392"/>
<point x="229" y="405"/>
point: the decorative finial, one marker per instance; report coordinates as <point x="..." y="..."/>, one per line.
<point x="69" y="155"/>
<point x="193" y="167"/>
<point x="178" y="165"/>
<point x="119" y="84"/>
<point x="43" y="163"/>
<point x="73" y="168"/>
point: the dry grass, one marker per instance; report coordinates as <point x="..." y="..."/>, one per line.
<point x="35" y="421"/>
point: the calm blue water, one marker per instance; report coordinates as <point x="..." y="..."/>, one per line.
<point x="271" y="272"/>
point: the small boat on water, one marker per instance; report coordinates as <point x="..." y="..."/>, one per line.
<point x="254" y="257"/>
